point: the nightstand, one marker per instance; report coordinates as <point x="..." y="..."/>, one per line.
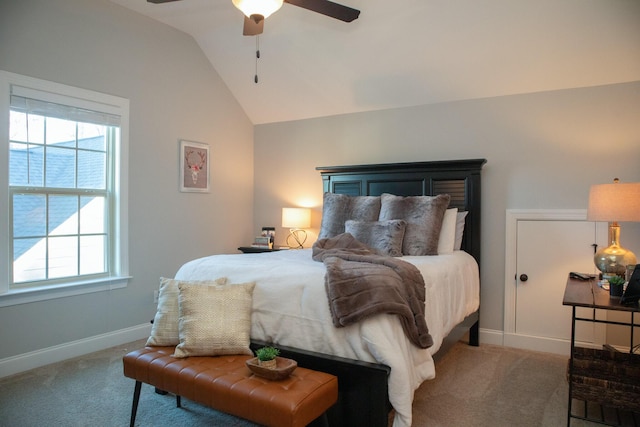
<point x="254" y="250"/>
<point x="605" y="378"/>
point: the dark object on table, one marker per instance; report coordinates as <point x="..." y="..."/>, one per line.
<point x="632" y="293"/>
<point x="581" y="276"/>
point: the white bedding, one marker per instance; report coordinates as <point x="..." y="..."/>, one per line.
<point x="290" y="309"/>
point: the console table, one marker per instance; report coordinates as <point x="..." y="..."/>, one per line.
<point x="607" y="381"/>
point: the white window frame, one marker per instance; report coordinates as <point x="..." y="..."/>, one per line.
<point x="120" y="274"/>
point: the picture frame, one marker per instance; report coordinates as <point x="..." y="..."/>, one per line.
<point x="195" y="167"/>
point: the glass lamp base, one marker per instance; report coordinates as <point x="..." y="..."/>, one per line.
<point x="613" y="260"/>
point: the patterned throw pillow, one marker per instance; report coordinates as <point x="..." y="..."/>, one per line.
<point x="164" y="331"/>
<point x="214" y="320"/>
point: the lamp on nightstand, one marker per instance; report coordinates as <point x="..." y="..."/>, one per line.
<point x="614" y="202"/>
<point x="296" y="219"/>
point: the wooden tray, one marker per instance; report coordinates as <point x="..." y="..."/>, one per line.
<point x="284" y="368"/>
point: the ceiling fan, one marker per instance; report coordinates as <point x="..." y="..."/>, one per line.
<point x="256" y="11"/>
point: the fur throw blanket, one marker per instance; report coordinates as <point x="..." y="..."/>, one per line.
<point x="360" y="283"/>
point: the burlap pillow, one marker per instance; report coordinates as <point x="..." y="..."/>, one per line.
<point x="214" y="320"/>
<point x="164" y="331"/>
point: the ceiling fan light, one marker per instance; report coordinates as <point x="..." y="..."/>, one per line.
<point x="258" y="7"/>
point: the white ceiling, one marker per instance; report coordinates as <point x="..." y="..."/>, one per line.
<point x="409" y="52"/>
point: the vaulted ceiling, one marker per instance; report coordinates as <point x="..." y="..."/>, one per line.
<point x="409" y="52"/>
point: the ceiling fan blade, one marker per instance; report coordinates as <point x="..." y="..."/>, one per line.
<point x="160" y="1"/>
<point x="328" y="8"/>
<point x="251" y="27"/>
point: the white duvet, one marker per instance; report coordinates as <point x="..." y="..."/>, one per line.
<point x="290" y="309"/>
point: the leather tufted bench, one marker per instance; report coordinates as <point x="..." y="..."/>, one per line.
<point x="225" y="383"/>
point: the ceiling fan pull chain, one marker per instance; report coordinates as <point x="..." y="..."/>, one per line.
<point x="255" y="78"/>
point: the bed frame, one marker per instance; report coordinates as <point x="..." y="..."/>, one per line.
<point x="363" y="393"/>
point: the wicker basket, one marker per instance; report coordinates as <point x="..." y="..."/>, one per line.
<point x="610" y="378"/>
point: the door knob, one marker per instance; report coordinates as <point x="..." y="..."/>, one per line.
<point x="524" y="277"/>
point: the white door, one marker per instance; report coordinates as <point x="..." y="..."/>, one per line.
<point x="546" y="250"/>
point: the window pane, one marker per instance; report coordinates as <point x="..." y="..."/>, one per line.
<point x="92" y="251"/>
<point x="61" y="132"/>
<point x="36" y="165"/>
<point x="25" y="127"/>
<point x="29" y="215"/>
<point x="18" y="164"/>
<point x="91" y="136"/>
<point x="63" y="215"/>
<point x="92" y="215"/>
<point x="18" y="127"/>
<point x="36" y="128"/>
<point x="61" y="165"/>
<point x="25" y="164"/>
<point x="91" y="170"/>
<point x="29" y="260"/>
<point x="63" y="256"/>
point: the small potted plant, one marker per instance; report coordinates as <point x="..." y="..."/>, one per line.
<point x="267" y="356"/>
<point x="616" y="286"/>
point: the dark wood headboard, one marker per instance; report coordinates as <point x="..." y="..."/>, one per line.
<point x="458" y="178"/>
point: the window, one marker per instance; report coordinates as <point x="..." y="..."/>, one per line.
<point x="66" y="150"/>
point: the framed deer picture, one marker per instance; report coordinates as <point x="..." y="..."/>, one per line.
<point x="194" y="167"/>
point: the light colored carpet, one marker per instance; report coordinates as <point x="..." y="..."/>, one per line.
<point x="494" y="386"/>
<point x="475" y="386"/>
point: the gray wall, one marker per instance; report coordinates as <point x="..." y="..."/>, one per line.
<point x="174" y="94"/>
<point x="544" y="150"/>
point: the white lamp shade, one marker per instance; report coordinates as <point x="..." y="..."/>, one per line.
<point x="296" y="217"/>
<point x="614" y="202"/>
<point x="258" y="7"/>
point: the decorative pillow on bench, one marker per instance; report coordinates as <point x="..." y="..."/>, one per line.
<point x="164" y="331"/>
<point x="214" y="320"/>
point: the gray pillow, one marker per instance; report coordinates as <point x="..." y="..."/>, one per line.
<point x="385" y="237"/>
<point x="423" y="215"/>
<point x="339" y="208"/>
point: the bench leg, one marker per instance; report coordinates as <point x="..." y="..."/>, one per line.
<point x="134" y="406"/>
<point x="321" y="421"/>
<point x="178" y="401"/>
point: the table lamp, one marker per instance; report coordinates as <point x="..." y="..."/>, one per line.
<point x="614" y="202"/>
<point x="296" y="219"/>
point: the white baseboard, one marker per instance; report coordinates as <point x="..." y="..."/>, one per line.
<point x="548" y="345"/>
<point x="524" y="342"/>
<point x="491" y="336"/>
<point x="35" y="359"/>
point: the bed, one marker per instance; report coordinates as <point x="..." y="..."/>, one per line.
<point x="377" y="366"/>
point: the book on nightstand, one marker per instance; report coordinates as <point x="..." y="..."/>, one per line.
<point x="262" y="242"/>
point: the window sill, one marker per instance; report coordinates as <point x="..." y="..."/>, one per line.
<point x="25" y="296"/>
